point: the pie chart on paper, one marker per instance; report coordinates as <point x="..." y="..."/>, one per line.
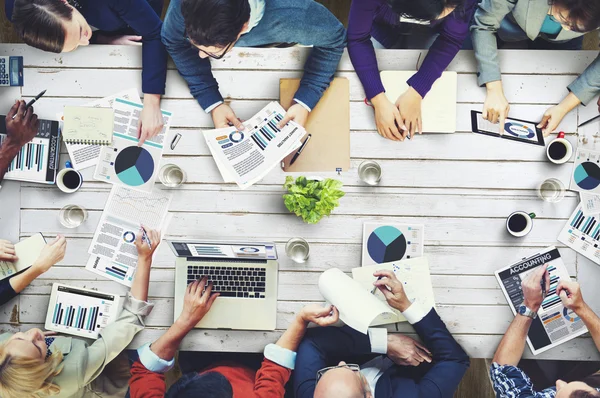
<point x="587" y="175"/>
<point x="134" y="166"/>
<point x="385" y="244"/>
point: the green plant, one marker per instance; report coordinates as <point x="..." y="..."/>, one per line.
<point x="311" y="199"/>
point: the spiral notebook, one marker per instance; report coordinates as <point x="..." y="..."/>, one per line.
<point x="88" y="125"/>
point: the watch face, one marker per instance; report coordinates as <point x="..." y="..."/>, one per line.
<point x="522" y="309"/>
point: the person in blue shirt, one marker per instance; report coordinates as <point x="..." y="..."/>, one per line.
<point x="509" y="381"/>
<point x="62" y="26"/>
<point x="196" y="30"/>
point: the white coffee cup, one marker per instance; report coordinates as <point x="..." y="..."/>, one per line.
<point x="557" y="143"/>
<point x="69" y="180"/>
<point x="519" y="223"/>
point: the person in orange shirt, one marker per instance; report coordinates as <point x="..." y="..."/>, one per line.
<point x="221" y="380"/>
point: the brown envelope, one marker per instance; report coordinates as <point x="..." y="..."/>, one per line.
<point x="329" y="124"/>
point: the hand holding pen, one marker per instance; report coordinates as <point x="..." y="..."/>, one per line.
<point x="570" y="294"/>
<point x="392" y="289"/>
<point x="147" y="241"/>
<point x="28" y="105"/>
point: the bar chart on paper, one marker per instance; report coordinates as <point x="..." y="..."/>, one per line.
<point x="81" y="312"/>
<point x="582" y="234"/>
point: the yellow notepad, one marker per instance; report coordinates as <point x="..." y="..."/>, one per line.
<point x="88" y="125"/>
<point x="27" y="251"/>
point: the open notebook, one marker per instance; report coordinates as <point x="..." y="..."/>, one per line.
<point x="27" y="251"/>
<point x="88" y="125"/>
<point x="438" y="108"/>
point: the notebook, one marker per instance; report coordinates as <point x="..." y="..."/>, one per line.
<point x="88" y="125"/>
<point x="329" y="126"/>
<point x="438" y="108"/>
<point x="27" y="251"/>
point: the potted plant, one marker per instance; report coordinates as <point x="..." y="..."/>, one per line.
<point x="312" y="199"/>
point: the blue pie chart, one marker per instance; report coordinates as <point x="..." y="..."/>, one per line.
<point x="587" y="175"/>
<point x="385" y="244"/>
<point x="134" y="166"/>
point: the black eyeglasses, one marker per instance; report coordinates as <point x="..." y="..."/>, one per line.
<point x="213" y="56"/>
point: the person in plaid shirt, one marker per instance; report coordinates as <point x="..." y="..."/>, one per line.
<point x="511" y="382"/>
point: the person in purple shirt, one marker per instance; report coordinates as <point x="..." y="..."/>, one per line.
<point x="380" y="19"/>
<point x="62" y="26"/>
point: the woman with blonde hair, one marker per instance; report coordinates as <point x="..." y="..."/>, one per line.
<point x="35" y="364"/>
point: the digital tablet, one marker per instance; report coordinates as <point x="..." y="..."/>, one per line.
<point x="80" y="312"/>
<point x="514" y="129"/>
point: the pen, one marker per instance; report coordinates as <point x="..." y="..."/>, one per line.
<point x="146" y="238"/>
<point x="375" y="288"/>
<point x="543" y="283"/>
<point x="589" y="121"/>
<point x="37" y="97"/>
<point x="300" y="149"/>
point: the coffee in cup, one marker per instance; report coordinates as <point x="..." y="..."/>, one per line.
<point x="560" y="149"/>
<point x="69" y="180"/>
<point x="520" y="223"/>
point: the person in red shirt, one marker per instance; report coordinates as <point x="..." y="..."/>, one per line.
<point x="224" y="380"/>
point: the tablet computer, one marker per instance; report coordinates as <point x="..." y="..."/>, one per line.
<point x="514" y="129"/>
<point x="80" y="312"/>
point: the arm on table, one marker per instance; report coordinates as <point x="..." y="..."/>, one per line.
<point x="19" y="131"/>
<point x="570" y="294"/>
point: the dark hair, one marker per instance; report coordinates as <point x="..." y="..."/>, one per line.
<point x="584" y="15"/>
<point x="206" y="385"/>
<point x="39" y="23"/>
<point x="424" y="10"/>
<point x="214" y="22"/>
<point x="592" y="381"/>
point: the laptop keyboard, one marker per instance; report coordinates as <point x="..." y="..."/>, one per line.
<point x="246" y="282"/>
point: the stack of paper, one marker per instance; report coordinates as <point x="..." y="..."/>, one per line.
<point x="246" y="156"/>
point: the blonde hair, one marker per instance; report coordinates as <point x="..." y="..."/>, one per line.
<point x="27" y="377"/>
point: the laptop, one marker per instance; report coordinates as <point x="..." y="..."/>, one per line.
<point x="245" y="275"/>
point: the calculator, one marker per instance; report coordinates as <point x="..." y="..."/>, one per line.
<point x="11" y="71"/>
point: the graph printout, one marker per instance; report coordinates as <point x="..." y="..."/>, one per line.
<point x="81" y="312"/>
<point x="582" y="234"/>
<point x="246" y="156"/>
<point x="113" y="251"/>
<point x="555" y="324"/>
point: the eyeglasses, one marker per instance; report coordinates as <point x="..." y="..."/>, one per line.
<point x="213" y="56"/>
<point x="564" y="22"/>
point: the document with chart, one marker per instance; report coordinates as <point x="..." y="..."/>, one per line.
<point x="125" y="163"/>
<point x="246" y="156"/>
<point x="113" y="251"/>
<point x="555" y="324"/>
<point x="80" y="312"/>
<point x="582" y="234"/>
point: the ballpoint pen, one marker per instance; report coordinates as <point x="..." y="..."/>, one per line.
<point x="375" y="288"/>
<point x="543" y="284"/>
<point x="300" y="149"/>
<point x="589" y="121"/>
<point x="146" y="237"/>
<point x="37" y="97"/>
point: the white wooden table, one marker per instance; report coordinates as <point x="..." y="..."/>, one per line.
<point x="461" y="186"/>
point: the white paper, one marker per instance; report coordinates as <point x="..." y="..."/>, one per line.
<point x="125" y="163"/>
<point x="585" y="176"/>
<point x="590" y="204"/>
<point x="82" y="155"/>
<point x="387" y="242"/>
<point x="555" y="324"/>
<point x="245" y="157"/>
<point x="414" y="276"/>
<point x="113" y="250"/>
<point x="582" y="234"/>
<point x="358" y="308"/>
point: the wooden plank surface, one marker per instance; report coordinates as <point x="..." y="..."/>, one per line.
<point x="460" y="186"/>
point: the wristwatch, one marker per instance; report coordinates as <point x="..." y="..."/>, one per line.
<point x="525" y="311"/>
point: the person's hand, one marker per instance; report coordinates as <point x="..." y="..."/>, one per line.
<point x="23" y="128"/>
<point x="598" y="103"/>
<point x="51" y="254"/>
<point x="552" y="118"/>
<point x="392" y="289"/>
<point x="7" y="251"/>
<point x="297" y="113"/>
<point x="495" y="107"/>
<point x="223" y="116"/>
<point x="405" y="351"/>
<point x="570" y="294"/>
<point x="532" y="287"/>
<point x="144" y="250"/>
<point x="409" y="105"/>
<point x="319" y="315"/>
<point x="387" y="118"/>
<point x="151" y="119"/>
<point x="197" y="302"/>
<point x="124" y="40"/>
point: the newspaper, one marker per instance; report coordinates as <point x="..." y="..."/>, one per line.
<point x="555" y="324"/>
<point x="246" y="156"/>
<point x="113" y="250"/>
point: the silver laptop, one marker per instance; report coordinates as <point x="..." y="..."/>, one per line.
<point x="245" y="275"/>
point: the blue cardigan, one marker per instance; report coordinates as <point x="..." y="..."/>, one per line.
<point x="115" y="15"/>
